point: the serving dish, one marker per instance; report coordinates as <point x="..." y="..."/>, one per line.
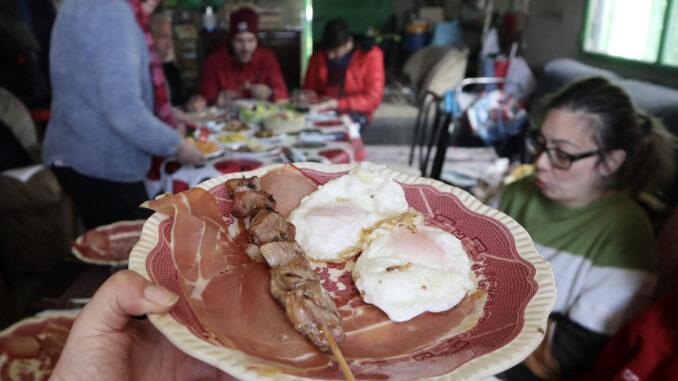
<point x="517" y="284"/>
<point x="108" y="244"/>
<point x="30" y="348"/>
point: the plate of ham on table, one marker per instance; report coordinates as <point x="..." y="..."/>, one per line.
<point x="314" y="271"/>
<point x="108" y="244"/>
<point x="30" y="348"/>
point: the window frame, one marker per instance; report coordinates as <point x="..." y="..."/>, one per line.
<point x="656" y="65"/>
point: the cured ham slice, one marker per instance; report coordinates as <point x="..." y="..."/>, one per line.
<point x="226" y="289"/>
<point x="288" y="185"/>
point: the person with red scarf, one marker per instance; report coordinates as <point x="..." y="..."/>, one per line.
<point x="241" y="68"/>
<point x="110" y="110"/>
<point x="349" y="69"/>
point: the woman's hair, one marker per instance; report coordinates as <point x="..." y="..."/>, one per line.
<point x="335" y="34"/>
<point x="616" y="124"/>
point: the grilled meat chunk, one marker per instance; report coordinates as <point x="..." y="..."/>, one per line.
<point x="309" y="307"/>
<point x="249" y="202"/>
<point x="269" y="226"/>
<point x="294" y="283"/>
<point x="243" y="184"/>
<point x="284" y="254"/>
<point x="284" y="279"/>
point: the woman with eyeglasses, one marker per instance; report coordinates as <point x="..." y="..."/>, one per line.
<point x="593" y="154"/>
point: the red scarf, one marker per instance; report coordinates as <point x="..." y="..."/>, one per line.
<point x="163" y="108"/>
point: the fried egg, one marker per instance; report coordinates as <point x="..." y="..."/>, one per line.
<point x="331" y="222"/>
<point x="409" y="269"/>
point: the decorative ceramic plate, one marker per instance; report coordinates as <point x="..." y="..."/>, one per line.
<point x="108" y="244"/>
<point x="30" y="348"/>
<point x="507" y="323"/>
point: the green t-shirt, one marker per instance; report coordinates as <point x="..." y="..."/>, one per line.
<point x="603" y="254"/>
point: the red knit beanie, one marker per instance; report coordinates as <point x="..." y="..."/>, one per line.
<point x="243" y="20"/>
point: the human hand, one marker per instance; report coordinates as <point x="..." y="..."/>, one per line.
<point x="260" y="91"/>
<point x="180" y="120"/>
<point x="196" y="103"/>
<point x="225" y="97"/>
<point x="329" y="104"/>
<point x="104" y="344"/>
<point x="188" y="153"/>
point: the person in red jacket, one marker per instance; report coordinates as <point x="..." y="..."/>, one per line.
<point x="348" y="69"/>
<point x="646" y="349"/>
<point x="241" y="68"/>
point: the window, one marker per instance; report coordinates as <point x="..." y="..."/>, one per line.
<point x="637" y="30"/>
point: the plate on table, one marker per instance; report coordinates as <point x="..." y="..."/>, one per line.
<point x="284" y="121"/>
<point x="30" y="348"/>
<point x="108" y="244"/>
<point x="500" y="325"/>
<point x="269" y="137"/>
<point x="238" y="125"/>
<point x="210" y="114"/>
<point x="329" y="123"/>
<point x="246" y="153"/>
<point x="209" y="148"/>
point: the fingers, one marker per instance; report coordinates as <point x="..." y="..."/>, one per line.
<point x="188" y="153"/>
<point x="261" y="91"/>
<point x="124" y="294"/>
<point x="196" y="103"/>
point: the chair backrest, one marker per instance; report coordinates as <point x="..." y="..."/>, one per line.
<point x="436" y="68"/>
<point x="432" y="119"/>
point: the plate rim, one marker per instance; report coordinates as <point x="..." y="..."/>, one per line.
<point x="76" y="252"/>
<point x="535" y="314"/>
<point x="41" y="317"/>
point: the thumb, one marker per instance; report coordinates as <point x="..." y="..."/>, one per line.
<point x="124" y="294"/>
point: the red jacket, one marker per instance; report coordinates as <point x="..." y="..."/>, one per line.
<point x="222" y="71"/>
<point x="646" y="349"/>
<point x="364" y="84"/>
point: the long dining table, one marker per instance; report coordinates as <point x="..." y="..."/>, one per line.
<point x="326" y="137"/>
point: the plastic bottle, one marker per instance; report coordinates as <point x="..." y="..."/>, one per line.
<point x="209" y="19"/>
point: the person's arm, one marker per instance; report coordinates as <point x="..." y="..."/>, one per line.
<point x="567" y="349"/>
<point x="274" y="78"/>
<point x="116" y="71"/>
<point x="312" y="80"/>
<point x="370" y="97"/>
<point x="209" y="81"/>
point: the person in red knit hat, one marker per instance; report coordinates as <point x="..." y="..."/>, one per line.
<point x="349" y="69"/>
<point x="241" y="68"/>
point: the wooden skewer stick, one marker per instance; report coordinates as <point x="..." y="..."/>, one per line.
<point x="337" y="353"/>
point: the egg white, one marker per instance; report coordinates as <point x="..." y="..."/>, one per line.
<point x="331" y="221"/>
<point x="412" y="269"/>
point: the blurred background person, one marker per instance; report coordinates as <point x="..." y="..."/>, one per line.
<point x="242" y="68"/>
<point x="594" y="155"/>
<point x="110" y="109"/>
<point x="163" y="38"/>
<point x="349" y="69"/>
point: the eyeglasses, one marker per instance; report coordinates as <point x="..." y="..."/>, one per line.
<point x="558" y="158"/>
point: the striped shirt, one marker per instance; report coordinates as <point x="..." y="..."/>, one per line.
<point x="603" y="254"/>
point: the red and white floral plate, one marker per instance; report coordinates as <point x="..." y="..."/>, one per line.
<point x="108" y="244"/>
<point x="519" y="284"/>
<point x="30" y="348"/>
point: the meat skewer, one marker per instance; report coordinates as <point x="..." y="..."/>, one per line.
<point x="340" y="357"/>
<point x="294" y="284"/>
